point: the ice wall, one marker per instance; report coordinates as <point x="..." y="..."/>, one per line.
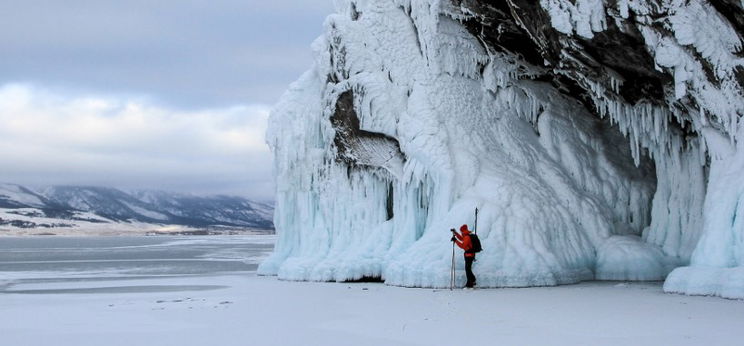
<point x="717" y="265"/>
<point x="417" y="111"/>
<point x="700" y="181"/>
<point x="552" y="182"/>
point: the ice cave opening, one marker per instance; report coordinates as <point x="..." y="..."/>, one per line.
<point x="600" y="140"/>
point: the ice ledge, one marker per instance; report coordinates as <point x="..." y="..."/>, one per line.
<point x="707" y="281"/>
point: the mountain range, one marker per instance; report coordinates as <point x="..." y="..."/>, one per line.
<point x="90" y="206"/>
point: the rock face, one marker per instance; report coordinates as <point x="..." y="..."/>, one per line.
<point x="599" y="139"/>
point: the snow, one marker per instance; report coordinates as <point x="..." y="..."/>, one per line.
<point x="147" y="213"/>
<point x="583" y="16"/>
<point x="33" y="215"/>
<point x="109" y="211"/>
<point x="17" y="193"/>
<point x="716" y="43"/>
<point x="241" y="308"/>
<point x="264" y="311"/>
<point x="85" y="224"/>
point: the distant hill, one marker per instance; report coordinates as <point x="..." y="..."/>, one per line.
<point x="87" y="206"/>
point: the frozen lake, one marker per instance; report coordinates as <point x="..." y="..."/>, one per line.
<point x="185" y="291"/>
<point x="52" y="260"/>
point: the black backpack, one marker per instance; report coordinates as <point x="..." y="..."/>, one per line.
<point x="475" y="242"/>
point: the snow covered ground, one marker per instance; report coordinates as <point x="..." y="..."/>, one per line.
<point x="204" y="291"/>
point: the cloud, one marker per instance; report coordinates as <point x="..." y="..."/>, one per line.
<point x="188" y="54"/>
<point x="50" y="137"/>
<point x="164" y="94"/>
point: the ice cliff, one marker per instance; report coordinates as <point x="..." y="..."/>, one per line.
<point x="599" y="139"/>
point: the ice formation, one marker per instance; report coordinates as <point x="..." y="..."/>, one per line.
<point x="599" y="139"/>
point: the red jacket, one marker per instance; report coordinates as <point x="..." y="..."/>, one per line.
<point x="463" y="241"/>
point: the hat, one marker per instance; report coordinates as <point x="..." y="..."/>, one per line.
<point x="464" y="228"/>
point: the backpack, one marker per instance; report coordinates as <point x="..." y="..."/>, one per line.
<point x="475" y="242"/>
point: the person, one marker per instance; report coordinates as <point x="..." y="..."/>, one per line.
<point x="462" y="240"/>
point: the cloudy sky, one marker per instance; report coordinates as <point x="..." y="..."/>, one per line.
<point x="163" y="94"/>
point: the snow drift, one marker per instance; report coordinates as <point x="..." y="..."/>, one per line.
<point x="598" y="139"/>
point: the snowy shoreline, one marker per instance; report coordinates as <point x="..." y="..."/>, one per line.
<point x="134" y="230"/>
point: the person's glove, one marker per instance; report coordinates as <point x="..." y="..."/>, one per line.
<point x="452" y="239"/>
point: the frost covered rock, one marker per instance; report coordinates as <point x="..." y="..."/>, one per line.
<point x="588" y="132"/>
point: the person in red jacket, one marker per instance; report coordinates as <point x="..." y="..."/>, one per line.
<point x="462" y="240"/>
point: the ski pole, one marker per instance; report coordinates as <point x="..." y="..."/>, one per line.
<point x="452" y="271"/>
<point x="475" y="230"/>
